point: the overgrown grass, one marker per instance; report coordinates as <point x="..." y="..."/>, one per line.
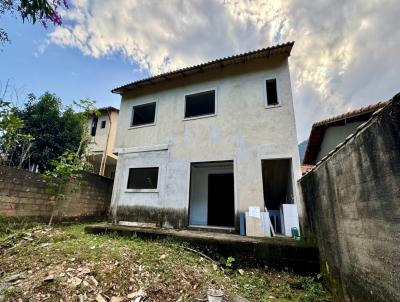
<point x="164" y="268"/>
<point x="9" y="225"/>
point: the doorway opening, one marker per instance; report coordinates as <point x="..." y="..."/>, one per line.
<point x="212" y="198"/>
<point x="278" y="190"/>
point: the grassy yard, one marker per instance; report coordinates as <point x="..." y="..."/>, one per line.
<point x="65" y="264"/>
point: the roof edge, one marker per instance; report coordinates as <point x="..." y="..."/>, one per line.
<point x="179" y="73"/>
<point x="375" y="115"/>
<point x="322" y="125"/>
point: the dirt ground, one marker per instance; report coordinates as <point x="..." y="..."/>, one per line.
<point x="65" y="264"/>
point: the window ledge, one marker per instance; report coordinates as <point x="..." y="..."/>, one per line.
<point x="141" y="191"/>
<point x="198" y="117"/>
<point x="273" y="106"/>
<point x="141" y="126"/>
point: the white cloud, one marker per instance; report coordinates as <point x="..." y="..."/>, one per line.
<point x="346" y="53"/>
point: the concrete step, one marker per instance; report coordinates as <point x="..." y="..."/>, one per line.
<point x="276" y="252"/>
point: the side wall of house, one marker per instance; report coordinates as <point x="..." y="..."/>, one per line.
<point x="334" y="136"/>
<point x="105" y="137"/>
<point x="23" y="194"/>
<point x="352" y="202"/>
<point x="242" y="131"/>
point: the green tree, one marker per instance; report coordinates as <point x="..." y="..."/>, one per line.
<point x="67" y="170"/>
<point x="11" y="135"/>
<point x="54" y="130"/>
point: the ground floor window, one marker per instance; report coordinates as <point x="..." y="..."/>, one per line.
<point x="143" y="178"/>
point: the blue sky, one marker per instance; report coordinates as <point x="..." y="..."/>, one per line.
<point x="62" y="70"/>
<point x="346" y="53"/>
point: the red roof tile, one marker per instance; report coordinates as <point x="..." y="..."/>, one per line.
<point x="318" y="129"/>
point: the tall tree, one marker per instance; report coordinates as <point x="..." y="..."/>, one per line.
<point x="12" y="137"/>
<point x="54" y="130"/>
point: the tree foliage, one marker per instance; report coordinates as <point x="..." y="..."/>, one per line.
<point x="43" y="11"/>
<point x="54" y="129"/>
<point x="42" y="130"/>
<point x="11" y="135"/>
<point x="66" y="172"/>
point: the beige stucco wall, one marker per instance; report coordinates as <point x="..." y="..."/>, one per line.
<point x="98" y="142"/>
<point x="243" y="130"/>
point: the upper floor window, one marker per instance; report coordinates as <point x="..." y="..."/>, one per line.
<point x="94" y="126"/>
<point x="271" y="89"/>
<point x="143" y="114"/>
<point x="200" y="104"/>
<point x="103" y="124"/>
<point x="143" y="178"/>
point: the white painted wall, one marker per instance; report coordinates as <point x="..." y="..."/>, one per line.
<point x="290" y="218"/>
<point x="243" y="130"/>
<point x="140" y="160"/>
<point x="334" y="136"/>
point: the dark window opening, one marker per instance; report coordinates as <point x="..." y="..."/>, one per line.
<point x="199" y="104"/>
<point x="143" y="178"/>
<point x="94" y="126"/>
<point x="103" y="124"/>
<point x="143" y="114"/>
<point x="272" y="92"/>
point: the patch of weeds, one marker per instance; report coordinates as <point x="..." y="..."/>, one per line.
<point x="11" y="240"/>
<point x="229" y="262"/>
<point x="61" y="236"/>
<point x="251" y="285"/>
<point x="9" y="226"/>
<point x="9" y="293"/>
<point x="167" y="269"/>
<point x="287" y="292"/>
<point x="314" y="290"/>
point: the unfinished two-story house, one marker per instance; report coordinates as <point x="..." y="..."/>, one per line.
<point x="199" y="145"/>
<point x="102" y="129"/>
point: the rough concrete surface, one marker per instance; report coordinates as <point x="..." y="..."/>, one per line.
<point x="352" y="205"/>
<point x="277" y="252"/>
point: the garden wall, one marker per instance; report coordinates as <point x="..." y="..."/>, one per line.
<point x="23" y="195"/>
<point x="352" y="206"/>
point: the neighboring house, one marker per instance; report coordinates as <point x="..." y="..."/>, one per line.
<point x="199" y="145"/>
<point x="102" y="130"/>
<point x="327" y="134"/>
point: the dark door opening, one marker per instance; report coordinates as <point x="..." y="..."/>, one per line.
<point x="277" y="187"/>
<point x="221" y="200"/>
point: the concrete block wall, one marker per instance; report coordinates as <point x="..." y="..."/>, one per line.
<point x="352" y="209"/>
<point x="23" y="194"/>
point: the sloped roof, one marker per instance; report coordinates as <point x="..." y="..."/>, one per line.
<point x="108" y="108"/>
<point x="184" y="72"/>
<point x="319" y="128"/>
<point x="350" y="114"/>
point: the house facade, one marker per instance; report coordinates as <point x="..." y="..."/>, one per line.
<point x="327" y="134"/>
<point x="102" y="130"/>
<point x="200" y="145"/>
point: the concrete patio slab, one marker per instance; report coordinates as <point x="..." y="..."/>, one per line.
<point x="276" y="252"/>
